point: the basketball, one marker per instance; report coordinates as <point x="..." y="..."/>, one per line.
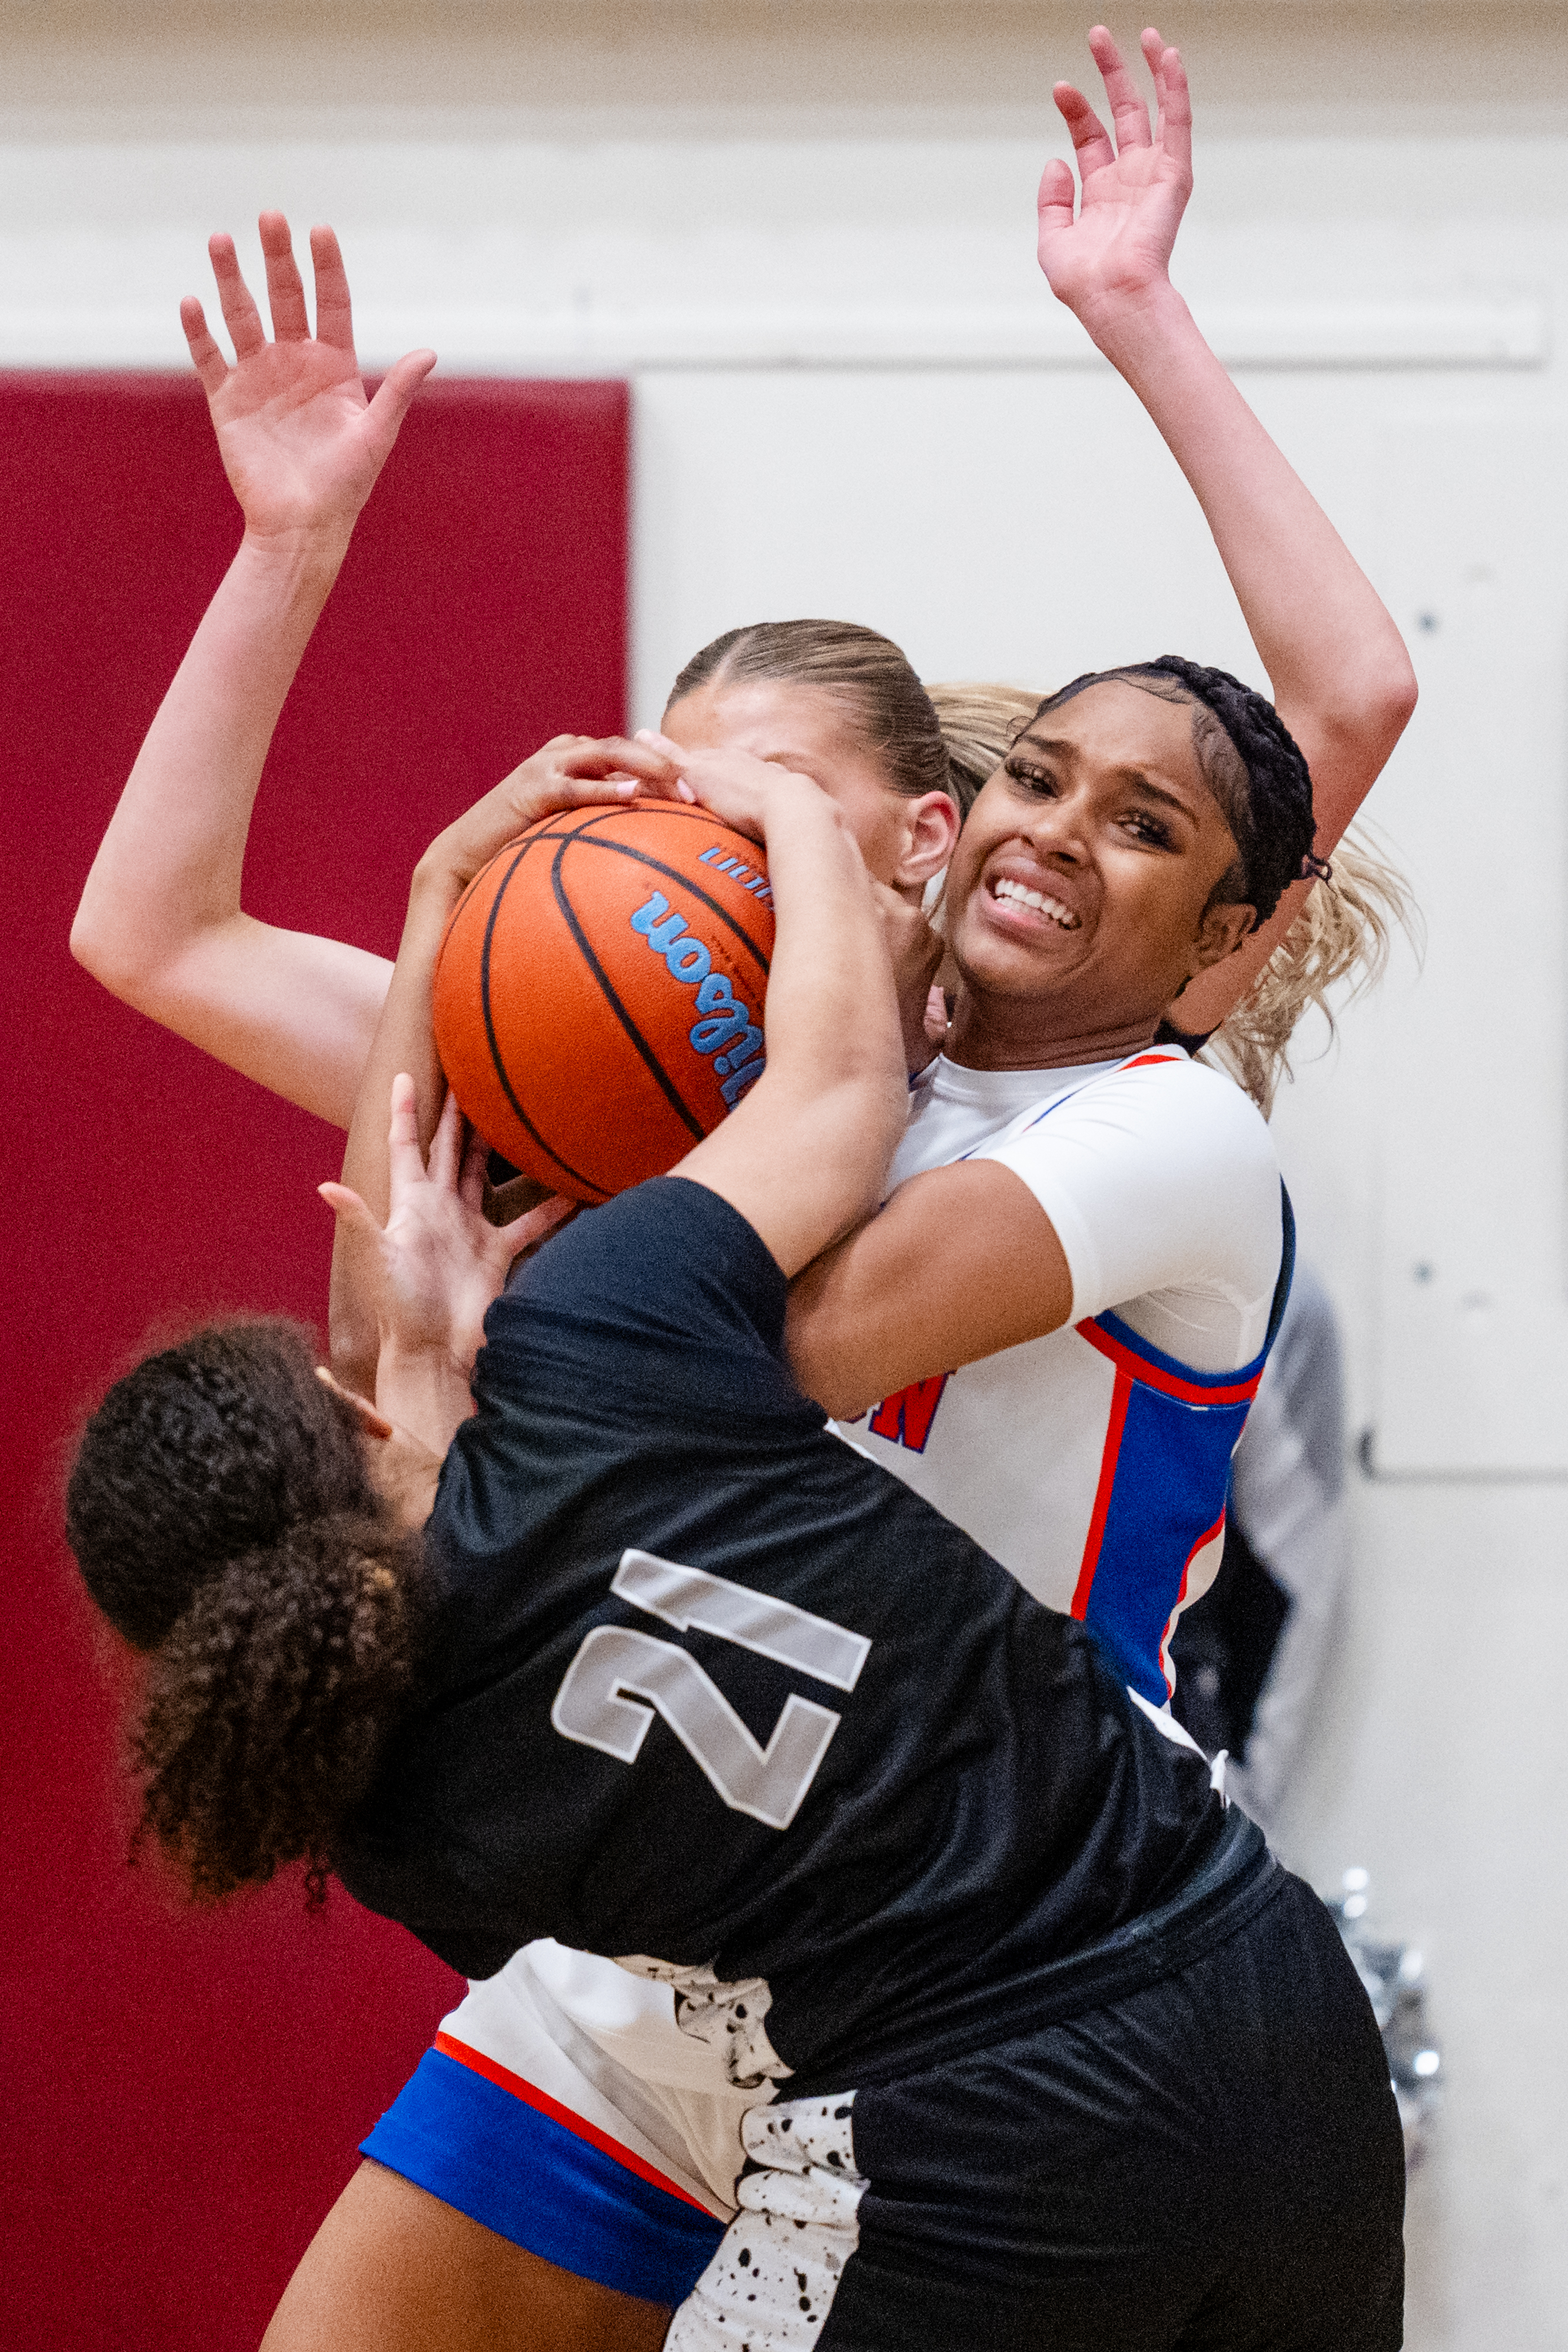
<point x="599" y="991"/>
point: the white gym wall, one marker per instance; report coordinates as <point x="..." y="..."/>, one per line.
<point x="808" y="236"/>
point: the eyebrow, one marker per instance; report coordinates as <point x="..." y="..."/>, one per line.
<point x="1133" y="776"/>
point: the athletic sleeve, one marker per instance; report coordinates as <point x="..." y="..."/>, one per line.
<point x="664" y="1302"/>
<point x="1161" y="1183"/>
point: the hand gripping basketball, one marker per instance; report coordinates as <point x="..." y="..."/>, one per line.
<point x="598" y="999"/>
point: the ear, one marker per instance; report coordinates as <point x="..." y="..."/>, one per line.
<point x="1221" y="932"/>
<point x="373" y="1424"/>
<point x="930" y="829"/>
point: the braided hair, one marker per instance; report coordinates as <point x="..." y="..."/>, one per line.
<point x="221" y="1513"/>
<point x="1250" y="762"/>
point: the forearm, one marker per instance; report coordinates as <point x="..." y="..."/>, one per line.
<point x="159" y="920"/>
<point x="404" y="1040"/>
<point x="804" y="1155"/>
<point x="170" y="860"/>
<point x="832" y="1016"/>
<point x="1341" y="677"/>
<point x="424" y="1392"/>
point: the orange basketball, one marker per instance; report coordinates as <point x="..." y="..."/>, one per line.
<point x="599" y="991"/>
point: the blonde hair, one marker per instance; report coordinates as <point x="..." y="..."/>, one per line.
<point x="979" y="725"/>
<point x="1342" y="934"/>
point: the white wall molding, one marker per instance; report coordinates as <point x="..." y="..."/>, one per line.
<point x="1468" y="332"/>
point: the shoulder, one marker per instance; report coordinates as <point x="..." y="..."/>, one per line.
<point x="1159" y="1100"/>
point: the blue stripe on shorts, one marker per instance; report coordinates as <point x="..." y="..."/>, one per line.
<point x="489" y="2154"/>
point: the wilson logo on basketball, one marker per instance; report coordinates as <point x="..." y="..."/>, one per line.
<point x="727" y="1030"/>
<point x="587" y="1061"/>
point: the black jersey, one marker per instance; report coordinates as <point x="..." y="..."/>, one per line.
<point x="707" y="1687"/>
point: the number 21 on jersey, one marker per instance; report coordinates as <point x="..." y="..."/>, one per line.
<point x="621" y="1678"/>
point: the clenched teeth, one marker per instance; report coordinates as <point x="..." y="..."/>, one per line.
<point x="1039" y="901"/>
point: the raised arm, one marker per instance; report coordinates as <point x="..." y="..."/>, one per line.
<point x="1340" y="674"/>
<point x="161" y="921"/>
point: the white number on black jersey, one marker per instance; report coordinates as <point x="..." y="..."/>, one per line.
<point x="769" y="1783"/>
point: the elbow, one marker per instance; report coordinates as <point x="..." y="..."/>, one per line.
<point x="102" y="948"/>
<point x="1381" y="710"/>
<point x="819" y="1360"/>
<point x="91" y="942"/>
<point x="1398" y="695"/>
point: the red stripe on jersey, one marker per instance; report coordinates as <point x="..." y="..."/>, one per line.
<point x="1121" y="1396"/>
<point x="533" y="2097"/>
<point x="1155" y="1376"/>
<point x="1146" y="1061"/>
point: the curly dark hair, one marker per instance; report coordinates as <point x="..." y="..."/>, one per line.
<point x="221" y="1513"/>
<point x="1251" y="763"/>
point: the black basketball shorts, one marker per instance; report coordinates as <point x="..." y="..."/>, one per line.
<point x="1212" y="2163"/>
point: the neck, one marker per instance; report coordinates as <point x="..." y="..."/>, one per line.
<point x="1019" y="1034"/>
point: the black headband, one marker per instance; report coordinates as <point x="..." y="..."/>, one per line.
<point x="1280" y="827"/>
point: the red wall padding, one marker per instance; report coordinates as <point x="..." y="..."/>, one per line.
<point x="182" y="2095"/>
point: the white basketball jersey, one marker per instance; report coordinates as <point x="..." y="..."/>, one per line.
<point x="1094" y="1463"/>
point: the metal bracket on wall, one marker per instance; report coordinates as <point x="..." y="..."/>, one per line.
<point x="1366" y="1460"/>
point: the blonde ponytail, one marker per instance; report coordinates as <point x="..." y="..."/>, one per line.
<point x="1343" y="932"/>
<point x="979" y="724"/>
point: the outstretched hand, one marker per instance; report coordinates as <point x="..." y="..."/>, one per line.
<point x="300" y="443"/>
<point x="440" y="1263"/>
<point x="1118" y="250"/>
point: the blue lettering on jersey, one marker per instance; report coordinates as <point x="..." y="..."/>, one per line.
<point x="727" y="1021"/>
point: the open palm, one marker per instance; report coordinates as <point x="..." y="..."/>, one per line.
<point x="1134" y="190"/>
<point x="299" y="441"/>
<point x="437" y="1265"/>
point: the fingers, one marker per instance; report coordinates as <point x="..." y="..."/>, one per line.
<point x="241" y="316"/>
<point x="206" y="357"/>
<point x="1175" y="98"/>
<point x="334" y="311"/>
<point x="600" y="756"/>
<point x="284" y="286"/>
<point x="405" y="1158"/>
<point x="1054" y="204"/>
<point x="374" y="1424"/>
<point x="396" y="389"/>
<point x="446" y="1146"/>
<point x="1128" y="112"/>
<point x="472" y="1177"/>
<point x="525" y="1232"/>
<point x="672" y="751"/>
<point x="1091" y="140"/>
<point x="349" y="1209"/>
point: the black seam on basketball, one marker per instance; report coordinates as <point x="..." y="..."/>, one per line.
<point x="500" y="1067"/>
<point x="666" y="1086"/>
<point x="671" y="874"/>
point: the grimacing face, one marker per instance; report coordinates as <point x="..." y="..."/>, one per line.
<point x="903" y="841"/>
<point x="1084" y="873"/>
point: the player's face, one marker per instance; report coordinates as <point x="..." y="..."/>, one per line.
<point x="1083" y="878"/>
<point x="805" y="729"/>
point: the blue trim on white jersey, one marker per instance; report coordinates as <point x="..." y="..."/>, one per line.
<point x="1136" y="1345"/>
<point x="532" y="2181"/>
